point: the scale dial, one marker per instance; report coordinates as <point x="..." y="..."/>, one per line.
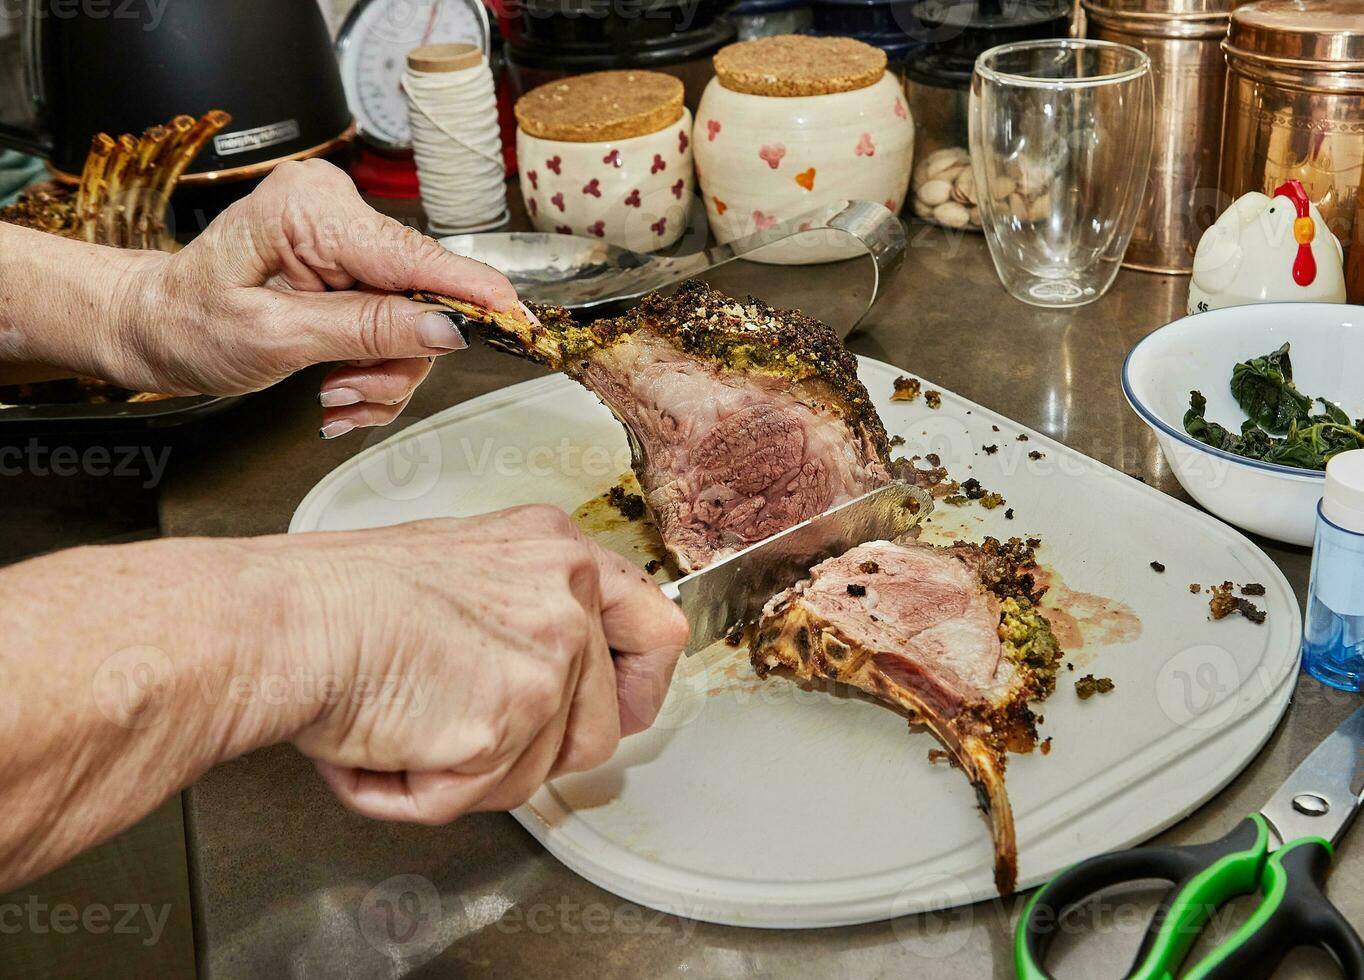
<point x="372" y="47"/>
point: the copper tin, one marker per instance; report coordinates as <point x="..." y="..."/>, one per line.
<point x="1354" y="261"/>
<point x="1181" y="37"/>
<point x="1295" y="103"/>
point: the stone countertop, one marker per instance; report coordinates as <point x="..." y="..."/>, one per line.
<point x="287" y="882"/>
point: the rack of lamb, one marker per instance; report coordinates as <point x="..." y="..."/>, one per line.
<point x="744" y="420"/>
<point x="124" y="187"/>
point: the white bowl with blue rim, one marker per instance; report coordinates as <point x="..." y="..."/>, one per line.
<point x="1198" y="352"/>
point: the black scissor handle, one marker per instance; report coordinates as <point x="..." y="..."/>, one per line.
<point x="1294" y="911"/>
<point x="1242" y="851"/>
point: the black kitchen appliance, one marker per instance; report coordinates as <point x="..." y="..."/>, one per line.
<point x="550" y="39"/>
<point x="121" y="67"/>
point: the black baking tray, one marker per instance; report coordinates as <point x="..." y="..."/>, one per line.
<point x="164" y="414"/>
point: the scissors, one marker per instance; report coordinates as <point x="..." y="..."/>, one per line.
<point x="1284" y="852"/>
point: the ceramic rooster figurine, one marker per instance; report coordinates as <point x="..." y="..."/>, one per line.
<point x="1267" y="250"/>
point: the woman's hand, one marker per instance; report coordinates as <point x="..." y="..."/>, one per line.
<point x="299" y="272"/>
<point x="428" y="669"/>
<point x="497" y="652"/>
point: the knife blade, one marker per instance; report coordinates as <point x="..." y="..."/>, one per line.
<point x="732" y="591"/>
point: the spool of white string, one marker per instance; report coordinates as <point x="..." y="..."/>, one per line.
<point x="455" y="138"/>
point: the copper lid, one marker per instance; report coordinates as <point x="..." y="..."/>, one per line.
<point x="1315" y="33"/>
<point x="1163" y="9"/>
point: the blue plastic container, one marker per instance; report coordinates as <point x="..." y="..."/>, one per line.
<point x="1333" y="635"/>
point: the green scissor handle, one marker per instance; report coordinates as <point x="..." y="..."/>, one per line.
<point x="1293" y="910"/>
<point x="1204" y="876"/>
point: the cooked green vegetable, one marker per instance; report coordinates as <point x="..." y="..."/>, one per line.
<point x="1263" y="387"/>
<point x="1282" y="428"/>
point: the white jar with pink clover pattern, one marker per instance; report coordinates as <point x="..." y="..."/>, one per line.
<point x="793" y="123"/>
<point x="607" y="155"/>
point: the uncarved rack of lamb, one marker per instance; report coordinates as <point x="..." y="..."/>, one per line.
<point x="744" y="420"/>
<point x="124" y="188"/>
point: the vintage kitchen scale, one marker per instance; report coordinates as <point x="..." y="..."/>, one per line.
<point x="372" y="47"/>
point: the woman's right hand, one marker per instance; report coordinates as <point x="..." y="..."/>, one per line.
<point x="476" y="657"/>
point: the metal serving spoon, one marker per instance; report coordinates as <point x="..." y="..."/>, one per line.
<point x="585" y="273"/>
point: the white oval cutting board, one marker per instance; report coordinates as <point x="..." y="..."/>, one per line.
<point x="757" y="803"/>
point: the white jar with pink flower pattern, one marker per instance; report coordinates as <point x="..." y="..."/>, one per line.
<point x="763" y="158"/>
<point x="607" y="155"/>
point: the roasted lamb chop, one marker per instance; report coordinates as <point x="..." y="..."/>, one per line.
<point x="743" y="419"/>
<point x="950" y="636"/>
<point x="125" y="186"/>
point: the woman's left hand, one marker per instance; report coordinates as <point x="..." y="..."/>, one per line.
<point x="301" y="271"/>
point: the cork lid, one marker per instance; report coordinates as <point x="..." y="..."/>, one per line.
<point x="444" y="57"/>
<point x="602" y="105"/>
<point x="795" y="64"/>
<point x="1329" y="33"/>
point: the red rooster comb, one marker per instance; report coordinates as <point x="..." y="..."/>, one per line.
<point x="1304" y="265"/>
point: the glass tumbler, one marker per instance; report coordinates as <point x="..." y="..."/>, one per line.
<point x="1061" y="136"/>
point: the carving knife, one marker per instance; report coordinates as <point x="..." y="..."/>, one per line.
<point x="733" y="591"/>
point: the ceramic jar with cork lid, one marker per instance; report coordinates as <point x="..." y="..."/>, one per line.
<point x="794" y="123"/>
<point x="607" y="155"/>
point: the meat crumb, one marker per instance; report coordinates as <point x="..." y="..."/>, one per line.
<point x="1009" y="514"/>
<point x="906" y="389"/>
<point x="735" y="636"/>
<point x="1045" y="747"/>
<point x="1022" y="437"/>
<point x="897" y="440"/>
<point x="933" y="399"/>
<point x="956" y="500"/>
<point x="933" y="459"/>
<point x="1069" y="665"/>
<point x="991" y="450"/>
<point x="1195" y="588"/>
<point x="1157" y="566"/>
<point x="869" y="568"/>
<point x="854" y="589"/>
<point x="939" y="755"/>
<point x="972" y="490"/>
<point x="1223" y="603"/>
<point x="1036" y="454"/>
<point x="652" y="565"/>
<point x="1089" y="685"/>
<point x="631" y="505"/>
<point x="994" y="428"/>
<point x="1252" y="588"/>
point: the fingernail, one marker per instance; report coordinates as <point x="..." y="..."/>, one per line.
<point x="338" y="428"/>
<point x="529" y="315"/>
<point x="441" y="330"/>
<point x="339" y="397"/>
